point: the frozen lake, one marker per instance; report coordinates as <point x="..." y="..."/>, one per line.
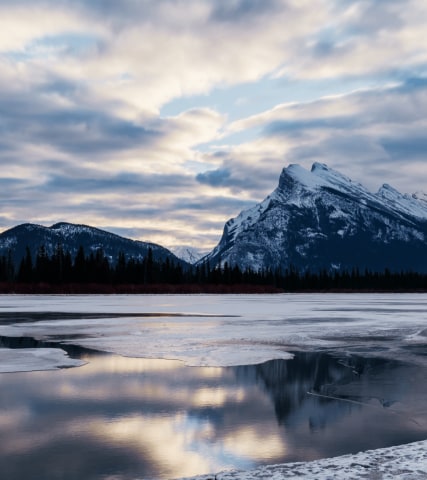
<point x="197" y="384"/>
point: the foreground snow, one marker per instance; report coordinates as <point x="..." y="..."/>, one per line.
<point x="407" y="462"/>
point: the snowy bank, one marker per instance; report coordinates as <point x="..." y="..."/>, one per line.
<point x="407" y="462"/>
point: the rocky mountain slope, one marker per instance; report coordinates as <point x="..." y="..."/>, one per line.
<point x="321" y="219"/>
<point x="71" y="237"/>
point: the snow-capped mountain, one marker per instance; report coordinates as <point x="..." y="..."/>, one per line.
<point x="189" y="254"/>
<point x="321" y="219"/>
<point x="71" y="237"/>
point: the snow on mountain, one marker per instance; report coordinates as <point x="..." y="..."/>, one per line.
<point x="321" y="219"/>
<point x="189" y="254"/>
<point x="406" y="204"/>
<point x="421" y="197"/>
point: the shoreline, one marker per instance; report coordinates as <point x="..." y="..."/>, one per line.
<point x="129" y="289"/>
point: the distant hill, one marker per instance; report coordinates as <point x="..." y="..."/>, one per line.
<point x="71" y="237"/>
<point x="321" y="219"/>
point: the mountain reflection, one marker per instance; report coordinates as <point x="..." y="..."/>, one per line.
<point x="287" y="383"/>
<point x="129" y="417"/>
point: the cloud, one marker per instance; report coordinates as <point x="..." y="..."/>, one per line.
<point x="214" y="177"/>
<point x="82" y="84"/>
<point x="141" y="55"/>
<point x="24" y="22"/>
<point x="124" y="183"/>
<point x="408" y="147"/>
<point x="244" y="10"/>
<point x="367" y="134"/>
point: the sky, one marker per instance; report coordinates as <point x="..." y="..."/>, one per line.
<point x="161" y="119"/>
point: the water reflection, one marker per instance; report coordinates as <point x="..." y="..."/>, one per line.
<point x="128" y="418"/>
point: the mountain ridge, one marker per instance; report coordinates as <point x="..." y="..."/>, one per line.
<point x="315" y="220"/>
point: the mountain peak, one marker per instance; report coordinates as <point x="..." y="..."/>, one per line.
<point x="321" y="219"/>
<point x="294" y="177"/>
<point x="58" y="225"/>
<point x="317" y="166"/>
<point x="387" y="190"/>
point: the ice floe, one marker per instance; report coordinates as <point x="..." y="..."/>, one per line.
<point x="32" y="359"/>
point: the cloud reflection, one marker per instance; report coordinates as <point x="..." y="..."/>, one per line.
<point x="129" y="417"/>
<point x="167" y="441"/>
<point x="252" y="443"/>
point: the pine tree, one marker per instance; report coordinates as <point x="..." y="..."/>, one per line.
<point x="80" y="266"/>
<point x="25" y="271"/>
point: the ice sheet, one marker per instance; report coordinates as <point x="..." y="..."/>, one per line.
<point x="218" y="330"/>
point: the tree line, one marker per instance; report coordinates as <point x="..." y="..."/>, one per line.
<point x="95" y="268"/>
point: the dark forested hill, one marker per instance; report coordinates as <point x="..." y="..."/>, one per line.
<point x="71" y="237"/>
